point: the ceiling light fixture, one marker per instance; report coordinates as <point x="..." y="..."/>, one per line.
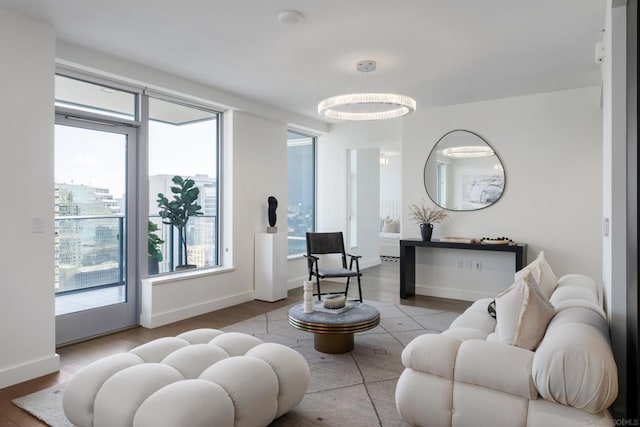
<point x="290" y="17"/>
<point x="468" y="151"/>
<point x="366" y="106"/>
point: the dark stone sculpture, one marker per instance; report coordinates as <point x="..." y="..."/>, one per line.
<point x="273" y="204"/>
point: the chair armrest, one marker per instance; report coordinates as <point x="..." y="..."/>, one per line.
<point x="355" y="258"/>
<point x="314" y="258"/>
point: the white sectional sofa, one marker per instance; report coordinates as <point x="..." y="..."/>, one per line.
<point x="528" y="367"/>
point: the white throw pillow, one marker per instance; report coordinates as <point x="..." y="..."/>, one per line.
<point x="383" y="221"/>
<point x="542" y="273"/>
<point x="390" y="226"/>
<point x="523" y="313"/>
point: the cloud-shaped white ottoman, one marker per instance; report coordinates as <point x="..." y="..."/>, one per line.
<point x="204" y="377"/>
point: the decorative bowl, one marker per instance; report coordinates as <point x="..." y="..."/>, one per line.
<point x="334" y="301"/>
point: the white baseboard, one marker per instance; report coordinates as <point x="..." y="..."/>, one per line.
<point x="297" y="282"/>
<point x="452" y="293"/>
<point x="371" y="262"/>
<point x="154" y="320"/>
<point x="30" y="370"/>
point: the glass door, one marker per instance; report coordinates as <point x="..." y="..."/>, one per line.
<point x="94" y="245"/>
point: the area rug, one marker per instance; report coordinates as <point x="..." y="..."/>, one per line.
<point x="355" y="388"/>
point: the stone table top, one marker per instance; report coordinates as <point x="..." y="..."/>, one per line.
<point x="360" y="317"/>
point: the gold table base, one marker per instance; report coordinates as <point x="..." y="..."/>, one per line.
<point x="333" y="343"/>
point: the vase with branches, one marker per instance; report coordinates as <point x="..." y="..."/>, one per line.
<point x="179" y="210"/>
<point x="426" y="217"/>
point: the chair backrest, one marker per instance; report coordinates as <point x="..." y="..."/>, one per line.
<point x="326" y="243"/>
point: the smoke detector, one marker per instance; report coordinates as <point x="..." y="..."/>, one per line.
<point x="290" y="17"/>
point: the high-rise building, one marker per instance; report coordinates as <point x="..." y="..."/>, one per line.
<point x="89" y="227"/>
<point x="201" y="231"/>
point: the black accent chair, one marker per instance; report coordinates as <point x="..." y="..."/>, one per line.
<point x="331" y="243"/>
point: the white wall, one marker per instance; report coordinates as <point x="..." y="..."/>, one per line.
<point x="26" y="169"/>
<point x="551" y="148"/>
<point x="614" y="207"/>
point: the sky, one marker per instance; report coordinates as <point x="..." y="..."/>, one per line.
<point x="95" y="158"/>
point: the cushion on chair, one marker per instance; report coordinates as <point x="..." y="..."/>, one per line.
<point x="337" y="272"/>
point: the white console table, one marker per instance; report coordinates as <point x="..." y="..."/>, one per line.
<point x="270" y="270"/>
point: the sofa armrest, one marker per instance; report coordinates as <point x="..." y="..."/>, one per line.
<point x="574" y="365"/>
<point x="432" y="353"/>
<point x="492" y="365"/>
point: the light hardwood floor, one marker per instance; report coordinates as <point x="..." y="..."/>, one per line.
<point x="380" y="283"/>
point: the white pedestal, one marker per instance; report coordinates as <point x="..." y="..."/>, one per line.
<point x="270" y="272"/>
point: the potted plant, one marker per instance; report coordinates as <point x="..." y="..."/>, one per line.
<point x="154" y="253"/>
<point x="426" y="217"/>
<point x="177" y="212"/>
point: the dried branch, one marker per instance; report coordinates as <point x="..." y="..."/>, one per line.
<point x="424" y="215"/>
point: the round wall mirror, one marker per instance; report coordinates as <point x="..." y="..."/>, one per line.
<point x="463" y="172"/>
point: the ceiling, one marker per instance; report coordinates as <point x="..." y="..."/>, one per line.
<point x="440" y="52"/>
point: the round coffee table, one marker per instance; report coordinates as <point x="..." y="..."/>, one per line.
<point x="333" y="333"/>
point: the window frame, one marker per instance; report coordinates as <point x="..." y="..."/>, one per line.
<point x="314" y="141"/>
<point x="185" y="102"/>
<point x="141" y="122"/>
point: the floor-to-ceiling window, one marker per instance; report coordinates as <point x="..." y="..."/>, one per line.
<point x="301" y="194"/>
<point x="183" y="147"/>
<point x="109" y="139"/>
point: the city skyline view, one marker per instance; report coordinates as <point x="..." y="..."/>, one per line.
<point x="98" y="159"/>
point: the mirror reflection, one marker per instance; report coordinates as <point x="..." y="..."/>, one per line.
<point x="463" y="172"/>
